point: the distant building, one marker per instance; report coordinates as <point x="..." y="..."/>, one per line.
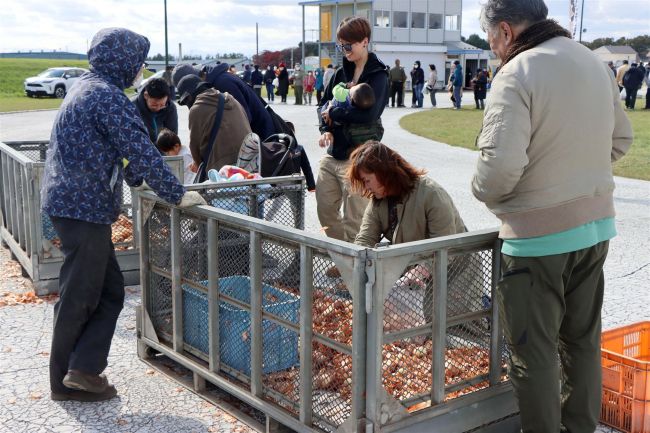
<point x="238" y="62"/>
<point x="59" y="55"/>
<point x="424" y="30"/>
<point x="617" y="53"/>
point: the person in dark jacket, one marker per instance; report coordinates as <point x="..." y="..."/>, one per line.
<point x="417" y="85"/>
<point x="283" y="83"/>
<point x="480" y="89"/>
<point x="332" y="192"/>
<point x="156" y="108"/>
<point x="97" y="139"/>
<point x="632" y="81"/>
<point x="247" y="77"/>
<point x="318" y="74"/>
<point x="269" y="76"/>
<point x="457" y="84"/>
<point x="217" y="75"/>
<point x="256" y="80"/>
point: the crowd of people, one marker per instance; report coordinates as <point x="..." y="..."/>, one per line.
<point x="555" y="202"/>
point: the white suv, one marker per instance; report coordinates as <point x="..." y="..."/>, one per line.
<point x="53" y="82"/>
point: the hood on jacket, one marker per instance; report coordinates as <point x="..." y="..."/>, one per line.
<point x="117" y="55"/>
<point x="373" y="65"/>
<point x="213" y="71"/>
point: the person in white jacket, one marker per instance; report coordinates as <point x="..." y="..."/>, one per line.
<point x="545" y="169"/>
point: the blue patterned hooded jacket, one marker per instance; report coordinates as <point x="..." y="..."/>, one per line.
<point x="96" y="127"/>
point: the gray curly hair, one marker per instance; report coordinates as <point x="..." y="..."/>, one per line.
<point x="513" y="12"/>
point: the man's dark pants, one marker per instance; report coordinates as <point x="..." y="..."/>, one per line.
<point x="647" y="98"/>
<point x="91" y="298"/>
<point x="630" y="97"/>
<point x="550" y="305"/>
<point x="397" y="87"/>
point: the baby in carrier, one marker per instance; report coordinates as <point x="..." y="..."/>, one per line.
<point x="362" y="97"/>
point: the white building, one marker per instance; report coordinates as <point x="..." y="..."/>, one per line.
<point x="617" y="53"/>
<point x="408" y="30"/>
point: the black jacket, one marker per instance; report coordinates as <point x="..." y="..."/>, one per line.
<point x="374" y="74"/>
<point x="633" y="78"/>
<point x="256" y="78"/>
<point x="480" y="86"/>
<point x="165" y="118"/>
<point x="417" y="76"/>
<point x="259" y="118"/>
<point x="283" y="79"/>
<point x="269" y="76"/>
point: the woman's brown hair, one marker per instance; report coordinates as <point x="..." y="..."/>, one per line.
<point x="393" y="172"/>
<point x="353" y="29"/>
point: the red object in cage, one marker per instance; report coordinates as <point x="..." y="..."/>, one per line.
<point x="625" y="358"/>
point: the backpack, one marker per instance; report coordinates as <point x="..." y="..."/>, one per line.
<point x="279" y="156"/>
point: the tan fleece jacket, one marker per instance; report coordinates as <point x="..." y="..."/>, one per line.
<point x="427" y="212"/>
<point x="234" y="127"/>
<point x="553" y="125"/>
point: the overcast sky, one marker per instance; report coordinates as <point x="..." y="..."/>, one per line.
<point x="218" y="26"/>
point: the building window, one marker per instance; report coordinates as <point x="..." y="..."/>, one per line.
<point x="435" y="21"/>
<point x="382" y="18"/>
<point x="400" y="19"/>
<point x="452" y="22"/>
<point x="417" y="20"/>
<point x="363" y="10"/>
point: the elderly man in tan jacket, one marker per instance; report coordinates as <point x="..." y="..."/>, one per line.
<point x="549" y="137"/>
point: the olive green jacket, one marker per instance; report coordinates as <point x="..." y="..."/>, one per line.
<point x="427" y="212"/>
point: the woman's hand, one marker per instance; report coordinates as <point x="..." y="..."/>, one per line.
<point x="326" y="139"/>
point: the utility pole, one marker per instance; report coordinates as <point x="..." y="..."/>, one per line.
<point x="166" y="46"/>
<point x="303" y="38"/>
<point x="257" y="41"/>
<point x="582" y="12"/>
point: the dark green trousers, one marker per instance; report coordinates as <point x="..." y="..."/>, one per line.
<point x="548" y="306"/>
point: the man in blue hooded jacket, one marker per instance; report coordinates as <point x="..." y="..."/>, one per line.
<point x="457" y="81"/>
<point x="95" y="130"/>
<point x="217" y="75"/>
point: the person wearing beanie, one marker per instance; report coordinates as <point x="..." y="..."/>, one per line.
<point x="259" y="118"/>
<point x="181" y="70"/>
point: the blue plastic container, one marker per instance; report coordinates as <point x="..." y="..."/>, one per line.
<point x="279" y="345"/>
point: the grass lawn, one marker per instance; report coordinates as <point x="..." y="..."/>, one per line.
<point x="460" y="128"/>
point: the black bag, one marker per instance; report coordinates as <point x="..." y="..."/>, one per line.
<point x="202" y="172"/>
<point x="279" y="156"/>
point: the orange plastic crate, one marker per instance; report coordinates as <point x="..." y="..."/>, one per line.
<point x="626" y="378"/>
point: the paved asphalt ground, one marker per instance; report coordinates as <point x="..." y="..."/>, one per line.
<point x="149" y="402"/>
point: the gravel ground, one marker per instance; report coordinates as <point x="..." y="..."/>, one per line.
<point x="149" y="401"/>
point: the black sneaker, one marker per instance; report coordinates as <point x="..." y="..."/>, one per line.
<point x="108" y="393"/>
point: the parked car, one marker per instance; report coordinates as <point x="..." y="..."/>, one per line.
<point x="53" y="82"/>
<point x="142" y="85"/>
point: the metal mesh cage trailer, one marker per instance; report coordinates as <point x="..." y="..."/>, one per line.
<point x="401" y="338"/>
<point x="29" y="234"/>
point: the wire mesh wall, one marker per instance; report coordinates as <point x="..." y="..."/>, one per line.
<point x="328" y="333"/>
<point x="433" y="352"/>
<point x="30" y="234"/>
